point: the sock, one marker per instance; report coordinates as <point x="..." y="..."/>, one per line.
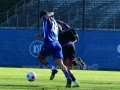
<point x="76" y="82"/>
<point x="48" y="65"/>
<point x="67" y="75"/>
<point x="72" y="77"/>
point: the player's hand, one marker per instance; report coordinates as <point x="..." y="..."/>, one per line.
<point x="77" y="37"/>
<point x="38" y="36"/>
<point x="51" y="14"/>
<point x="47" y="16"/>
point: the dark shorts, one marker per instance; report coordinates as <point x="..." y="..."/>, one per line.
<point x="69" y="52"/>
<point x="52" y="48"/>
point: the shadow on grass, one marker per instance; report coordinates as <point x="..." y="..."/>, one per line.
<point x="17" y="86"/>
<point x="31" y="87"/>
<point x="24" y="87"/>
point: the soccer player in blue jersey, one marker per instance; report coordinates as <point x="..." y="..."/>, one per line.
<point x="52" y="46"/>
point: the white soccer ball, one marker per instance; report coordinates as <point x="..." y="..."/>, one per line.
<point x="31" y="76"/>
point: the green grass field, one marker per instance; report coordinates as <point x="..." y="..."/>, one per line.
<point x="15" y="79"/>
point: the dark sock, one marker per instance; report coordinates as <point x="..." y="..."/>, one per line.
<point x="72" y="77"/>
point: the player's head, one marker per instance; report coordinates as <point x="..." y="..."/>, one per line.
<point x="43" y="12"/>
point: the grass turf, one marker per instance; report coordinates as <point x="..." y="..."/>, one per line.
<point x="15" y="79"/>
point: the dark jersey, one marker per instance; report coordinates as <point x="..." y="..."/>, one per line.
<point x="66" y="33"/>
<point x="63" y="26"/>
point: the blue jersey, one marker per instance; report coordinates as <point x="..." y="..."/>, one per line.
<point x="50" y="29"/>
<point x="51" y="45"/>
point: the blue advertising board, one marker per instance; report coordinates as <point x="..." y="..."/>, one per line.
<point x="19" y="48"/>
<point x="98" y="49"/>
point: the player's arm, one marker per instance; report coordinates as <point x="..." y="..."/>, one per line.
<point x="38" y="36"/>
<point x="75" y="33"/>
<point x="51" y="14"/>
<point x="77" y="37"/>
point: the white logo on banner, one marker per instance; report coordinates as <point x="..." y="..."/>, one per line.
<point x="35" y="47"/>
<point x="118" y="48"/>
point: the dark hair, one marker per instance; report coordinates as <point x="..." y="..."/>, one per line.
<point x="43" y="12"/>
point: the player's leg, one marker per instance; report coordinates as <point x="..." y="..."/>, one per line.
<point x="76" y="61"/>
<point x="58" y="58"/>
<point x="41" y="57"/>
<point x="76" y="83"/>
<point x="44" y="61"/>
<point x="65" y="71"/>
<point x="71" y="55"/>
<point x="69" y="65"/>
<point x="67" y="53"/>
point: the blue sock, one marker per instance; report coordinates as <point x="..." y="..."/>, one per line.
<point x="48" y="65"/>
<point x="67" y="75"/>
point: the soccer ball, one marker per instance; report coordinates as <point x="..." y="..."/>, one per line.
<point x="31" y="76"/>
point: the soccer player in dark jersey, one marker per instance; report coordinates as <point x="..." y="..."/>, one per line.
<point x="66" y="30"/>
<point x="67" y="38"/>
<point x="52" y="46"/>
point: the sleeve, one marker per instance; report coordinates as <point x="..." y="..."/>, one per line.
<point x="44" y="17"/>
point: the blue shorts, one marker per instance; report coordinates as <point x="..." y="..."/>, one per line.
<point x="52" y="48"/>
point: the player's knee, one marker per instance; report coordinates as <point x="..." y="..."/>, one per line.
<point x="71" y="66"/>
<point x="68" y="64"/>
<point x="65" y="63"/>
<point x="58" y="61"/>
